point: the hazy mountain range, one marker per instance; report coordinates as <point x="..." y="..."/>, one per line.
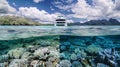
<point x="111" y="21"/>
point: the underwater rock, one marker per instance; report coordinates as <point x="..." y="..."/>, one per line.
<point x="65" y="63"/>
<point x="73" y="57"/>
<point x="44" y="52"/>
<point x="79" y="57"/>
<point x="76" y="64"/>
<point x="16" y="53"/>
<point x="62" y="56"/>
<point x="18" y="63"/>
<point x="93" y="49"/>
<point x="49" y="64"/>
<point x="66" y="43"/>
<point x="26" y="55"/>
<point x="109" y="57"/>
<point x="85" y="63"/>
<point x="80" y="53"/>
<point x="2" y="65"/>
<point x="35" y="63"/>
<point x="77" y="50"/>
<point x="72" y="47"/>
<point x="42" y="64"/>
<point x="54" y="53"/>
<point x="5" y="64"/>
<point x="102" y="65"/>
<point x="40" y="53"/>
<point x="4" y="58"/>
<point x="63" y="48"/>
<point x="32" y="48"/>
<point x="66" y="55"/>
<point x="53" y="60"/>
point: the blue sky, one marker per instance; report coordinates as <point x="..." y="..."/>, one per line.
<point x="46" y="11"/>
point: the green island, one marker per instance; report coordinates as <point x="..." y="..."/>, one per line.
<point x="19" y="21"/>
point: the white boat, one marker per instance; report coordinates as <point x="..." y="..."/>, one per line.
<point x="60" y="21"/>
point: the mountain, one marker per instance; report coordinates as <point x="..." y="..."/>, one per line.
<point x="13" y="20"/>
<point x="102" y="22"/>
<point x="111" y="21"/>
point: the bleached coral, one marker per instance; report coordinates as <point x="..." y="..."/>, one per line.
<point x="65" y="63"/>
<point x="16" y="53"/>
<point x="18" y="63"/>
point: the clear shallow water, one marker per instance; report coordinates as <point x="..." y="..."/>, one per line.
<point x="14" y="32"/>
<point x="75" y="46"/>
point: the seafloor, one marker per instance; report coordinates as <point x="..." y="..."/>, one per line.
<point x="61" y="51"/>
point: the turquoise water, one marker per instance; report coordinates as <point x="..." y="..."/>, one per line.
<point x="14" y="32"/>
<point x="48" y="46"/>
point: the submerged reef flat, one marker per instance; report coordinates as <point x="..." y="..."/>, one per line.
<point x="61" y="51"/>
<point x="6" y="45"/>
<point x="30" y="52"/>
<point x="90" y="51"/>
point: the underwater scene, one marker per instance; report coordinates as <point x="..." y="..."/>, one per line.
<point x="39" y="46"/>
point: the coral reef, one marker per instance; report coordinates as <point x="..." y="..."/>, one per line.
<point x="109" y="57"/>
<point x="93" y="49"/>
<point x="16" y="53"/>
<point x="4" y="58"/>
<point x="65" y="63"/>
<point x="102" y="65"/>
<point x="89" y="52"/>
<point x="30" y="52"/>
<point x="76" y="64"/>
<point x="18" y="63"/>
<point x="42" y="56"/>
<point x="96" y="51"/>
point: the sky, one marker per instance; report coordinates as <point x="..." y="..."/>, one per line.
<point x="46" y="11"/>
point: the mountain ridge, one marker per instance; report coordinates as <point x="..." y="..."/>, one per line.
<point x="111" y="21"/>
<point x="20" y="21"/>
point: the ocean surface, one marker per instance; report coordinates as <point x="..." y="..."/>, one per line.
<point x="11" y="32"/>
<point x="49" y="46"/>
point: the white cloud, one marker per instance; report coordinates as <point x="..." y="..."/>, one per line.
<point x="83" y="10"/>
<point x="117" y="7"/>
<point x="67" y="1"/>
<point x="69" y="21"/>
<point x="5" y="7"/>
<point x="60" y="4"/>
<point x="99" y="10"/>
<point x="37" y="1"/>
<point x="65" y="7"/>
<point x="36" y="14"/>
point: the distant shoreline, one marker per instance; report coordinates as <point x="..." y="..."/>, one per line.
<point x="58" y="26"/>
<point x="19" y="21"/>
